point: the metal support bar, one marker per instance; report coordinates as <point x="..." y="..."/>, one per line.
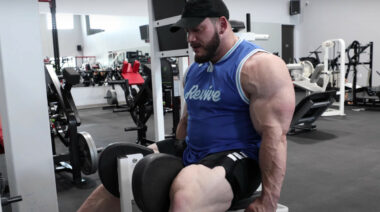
<point x="74" y="149"/>
<point x="329" y="44"/>
<point x="55" y="37"/>
<point x="159" y="126"/>
<point x="28" y="147"/>
<point x="125" y="169"/>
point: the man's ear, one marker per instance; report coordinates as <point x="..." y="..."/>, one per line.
<point x="223" y="24"/>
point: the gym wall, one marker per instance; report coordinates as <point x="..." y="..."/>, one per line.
<point x="122" y="33"/>
<point x="127" y="36"/>
<point x="350" y="20"/>
<point x="274" y="31"/>
<point x="269" y="11"/>
<point x="109" y="7"/>
<point x="68" y="39"/>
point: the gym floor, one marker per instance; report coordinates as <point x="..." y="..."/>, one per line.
<point x="334" y="168"/>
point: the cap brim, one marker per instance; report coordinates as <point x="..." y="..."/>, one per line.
<point x="186" y="23"/>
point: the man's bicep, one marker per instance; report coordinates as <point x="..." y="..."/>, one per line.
<point x="272" y="102"/>
<point x="272" y="112"/>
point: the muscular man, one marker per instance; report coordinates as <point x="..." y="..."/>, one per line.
<point x="240" y="102"/>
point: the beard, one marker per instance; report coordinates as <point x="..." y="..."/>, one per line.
<point x="210" y="49"/>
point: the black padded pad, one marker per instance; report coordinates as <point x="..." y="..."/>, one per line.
<point x="71" y="76"/>
<point x="152" y="179"/>
<point x="108" y="163"/>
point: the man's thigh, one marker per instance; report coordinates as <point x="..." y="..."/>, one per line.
<point x="242" y="173"/>
<point x="203" y="188"/>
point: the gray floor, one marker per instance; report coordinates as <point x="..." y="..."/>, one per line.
<point x="335" y="168"/>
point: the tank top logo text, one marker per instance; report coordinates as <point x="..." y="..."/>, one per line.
<point x="203" y="95"/>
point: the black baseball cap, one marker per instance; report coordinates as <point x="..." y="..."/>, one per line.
<point x="196" y="11"/>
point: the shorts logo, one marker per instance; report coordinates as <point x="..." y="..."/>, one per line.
<point x="203" y="95"/>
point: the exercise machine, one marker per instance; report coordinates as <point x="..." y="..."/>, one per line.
<point x="313" y="57"/>
<point x="131" y="172"/>
<point x="141" y="108"/>
<point x="64" y="121"/>
<point x="361" y="95"/>
<point x="310" y="84"/>
<point x="171" y="93"/>
<point x="308" y="110"/>
<point x="129" y="80"/>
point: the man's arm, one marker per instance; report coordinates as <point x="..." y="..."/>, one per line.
<point x="266" y="82"/>
<point x="181" y="131"/>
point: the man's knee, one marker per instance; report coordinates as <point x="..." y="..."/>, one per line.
<point x="187" y="177"/>
<point x="198" y="186"/>
<point x="184" y="188"/>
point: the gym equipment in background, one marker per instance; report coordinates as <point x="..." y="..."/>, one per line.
<point x="141" y="108"/>
<point x="313" y="57"/>
<point x="324" y="71"/>
<point x="367" y="95"/>
<point x="170" y="87"/>
<point x="64" y="120"/>
<point x="130" y="80"/>
<point x="308" y="110"/>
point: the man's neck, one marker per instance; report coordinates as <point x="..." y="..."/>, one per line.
<point x="224" y="47"/>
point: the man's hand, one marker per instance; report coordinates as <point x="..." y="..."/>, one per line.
<point x="259" y="206"/>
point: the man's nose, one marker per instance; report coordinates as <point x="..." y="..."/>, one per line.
<point x="190" y="37"/>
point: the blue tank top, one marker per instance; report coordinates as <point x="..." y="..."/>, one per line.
<point x="218" y="110"/>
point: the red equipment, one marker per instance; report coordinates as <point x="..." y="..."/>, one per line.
<point x="132" y="74"/>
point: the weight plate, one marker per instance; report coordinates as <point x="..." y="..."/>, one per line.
<point x="88" y="154"/>
<point x="111" y="97"/>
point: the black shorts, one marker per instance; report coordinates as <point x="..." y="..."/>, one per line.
<point x="242" y="173"/>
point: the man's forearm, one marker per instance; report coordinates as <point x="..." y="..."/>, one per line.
<point x="272" y="159"/>
<point x="181" y="129"/>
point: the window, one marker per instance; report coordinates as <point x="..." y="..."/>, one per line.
<point x="64" y="21"/>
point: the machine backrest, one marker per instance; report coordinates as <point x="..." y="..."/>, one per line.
<point x="126" y="68"/>
<point x="310" y="108"/>
<point x="136" y="66"/>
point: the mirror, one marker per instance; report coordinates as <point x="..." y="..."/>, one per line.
<point x="93" y="35"/>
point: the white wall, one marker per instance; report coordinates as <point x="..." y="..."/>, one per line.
<point x="269" y="11"/>
<point x="93" y="96"/>
<point x="266" y="18"/>
<point x="67" y="39"/>
<point x="274" y="11"/>
<point x="274" y="43"/>
<point x="350" y="19"/>
<point x="105" y="7"/>
<point x="125" y="33"/>
<point x="122" y="32"/>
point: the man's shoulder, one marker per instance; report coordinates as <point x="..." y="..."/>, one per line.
<point x="263" y="70"/>
<point x="264" y="63"/>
